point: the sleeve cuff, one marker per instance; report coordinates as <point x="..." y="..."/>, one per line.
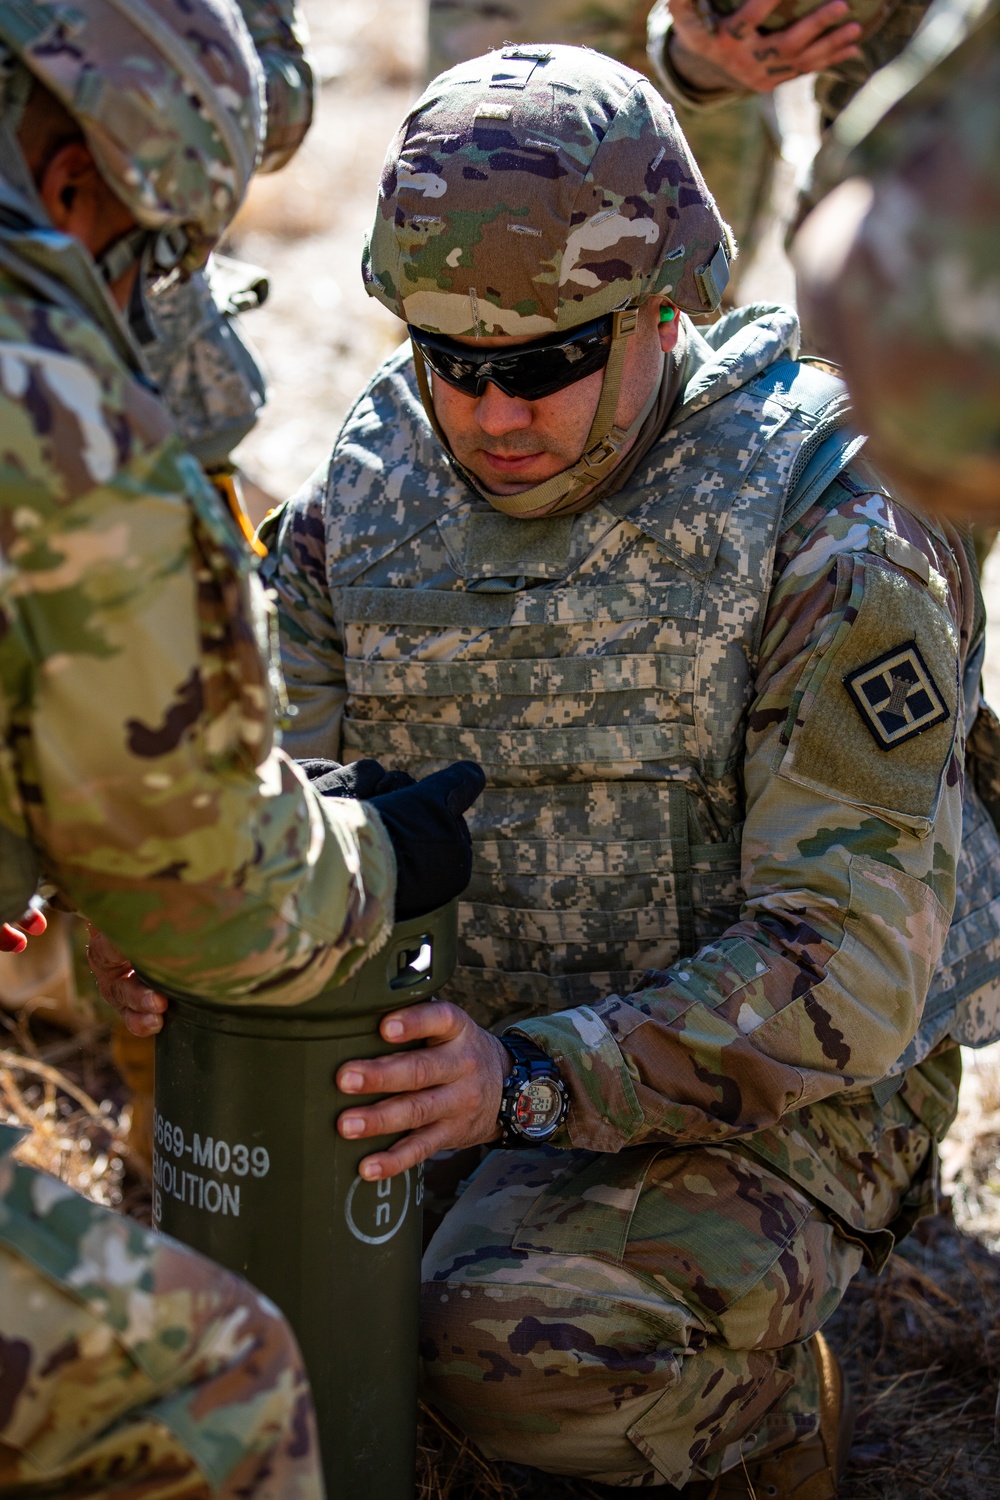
<point x="604" y="1113"/>
<point x="677" y="89"/>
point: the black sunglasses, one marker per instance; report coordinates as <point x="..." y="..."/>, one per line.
<point x="529" y="371"/>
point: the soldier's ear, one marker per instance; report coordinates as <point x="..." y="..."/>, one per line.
<point x="669" y="325"/>
<point x="79" y="201"/>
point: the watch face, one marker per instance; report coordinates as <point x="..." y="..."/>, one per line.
<point x="538" y="1108"/>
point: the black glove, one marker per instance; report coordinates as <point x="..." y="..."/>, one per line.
<point x="428" y="832"/>
<point x="361" y="780"/>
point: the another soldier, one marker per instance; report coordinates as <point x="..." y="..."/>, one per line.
<point x="721" y="681"/>
<point x="705" y="57"/>
<point x="213" y="384"/>
<point x="207" y="373"/>
<point x="211" y="378"/>
<point x="138" y="773"/>
<point x="899" y="265"/>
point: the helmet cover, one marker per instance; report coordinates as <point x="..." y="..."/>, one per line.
<point x="168" y="95"/>
<point x="537" y="188"/>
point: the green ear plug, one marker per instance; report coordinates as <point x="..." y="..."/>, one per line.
<point x="667" y="314"/>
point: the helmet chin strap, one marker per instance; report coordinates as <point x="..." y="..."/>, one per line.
<point x="602" y="450"/>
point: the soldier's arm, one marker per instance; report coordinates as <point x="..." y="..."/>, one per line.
<point x="138" y="706"/>
<point x="701" y="58"/>
<point x="851" y="839"/>
<point x="279" y="33"/>
<point x="312" y="657"/>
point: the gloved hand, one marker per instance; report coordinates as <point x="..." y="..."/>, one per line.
<point x="428" y="832"/>
<point x="361" y="780"/>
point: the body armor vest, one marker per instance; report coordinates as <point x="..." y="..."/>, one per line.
<point x="600" y="667"/>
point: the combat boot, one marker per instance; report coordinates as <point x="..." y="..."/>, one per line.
<point x="808" y="1470"/>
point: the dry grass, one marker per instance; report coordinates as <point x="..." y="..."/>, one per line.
<point x="921" y="1344"/>
<point x="64" y="1092"/>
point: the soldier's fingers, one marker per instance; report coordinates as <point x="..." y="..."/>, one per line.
<point x="102" y="952"/>
<point x="685" y="16"/>
<point x="779" y="62"/>
<point x="407" y="1153"/>
<point x="137" y="997"/>
<point x="795" y="39"/>
<point x="119" y="984"/>
<point x="403" y="1072"/>
<point x="11" y="941"/>
<point x="14" y="935"/>
<point x="141" y="1024"/>
<point x="404" y="1112"/>
<point x="828" y="52"/>
<point x="127" y="994"/>
<point x="33" y="922"/>
<point x="433" y="1020"/>
<point x="749" y="16"/>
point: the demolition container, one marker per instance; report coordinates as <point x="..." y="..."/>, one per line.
<point x="249" y="1169"/>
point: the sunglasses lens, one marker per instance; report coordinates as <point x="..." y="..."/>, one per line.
<point x="528" y="373"/>
<point x="463" y="373"/>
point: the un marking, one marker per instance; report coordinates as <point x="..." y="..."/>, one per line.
<point x="375" y="1210"/>
<point x="896" y="696"/>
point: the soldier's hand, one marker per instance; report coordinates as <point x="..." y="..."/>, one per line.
<point x="14" y="935"/>
<point x="361" y="779"/>
<point x="426" y="825"/>
<point x="140" y="1008"/>
<point x="446" y="1094"/>
<point x="735" y="54"/>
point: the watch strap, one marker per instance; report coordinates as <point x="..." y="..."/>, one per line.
<point x="529" y="1063"/>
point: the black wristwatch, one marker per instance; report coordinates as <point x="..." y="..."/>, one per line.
<point x="534" y="1101"/>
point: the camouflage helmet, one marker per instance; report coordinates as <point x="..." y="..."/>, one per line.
<point x="535" y="189"/>
<point x="898" y="266"/>
<point x="168" y="95"/>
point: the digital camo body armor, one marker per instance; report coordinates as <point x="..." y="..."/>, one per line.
<point x="600" y="667"/>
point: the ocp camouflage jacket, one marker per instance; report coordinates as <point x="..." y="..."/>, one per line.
<point x="722" y="718"/>
<point x="138" y="768"/>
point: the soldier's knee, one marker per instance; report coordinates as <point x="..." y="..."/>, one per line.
<point x="545" y="1376"/>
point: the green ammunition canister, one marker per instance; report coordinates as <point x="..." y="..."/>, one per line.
<point x="249" y="1169"/>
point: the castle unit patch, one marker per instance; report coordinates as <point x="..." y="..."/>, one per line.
<point x="896" y="696"/>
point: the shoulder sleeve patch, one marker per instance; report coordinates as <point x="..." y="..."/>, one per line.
<point x="896" y="696"/>
<point x="878" y="708"/>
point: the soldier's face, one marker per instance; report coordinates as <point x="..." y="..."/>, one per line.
<point x="510" y="444"/>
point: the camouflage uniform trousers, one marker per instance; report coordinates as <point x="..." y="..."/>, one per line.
<point x="641" y="1317"/>
<point x="130" y="1366"/>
